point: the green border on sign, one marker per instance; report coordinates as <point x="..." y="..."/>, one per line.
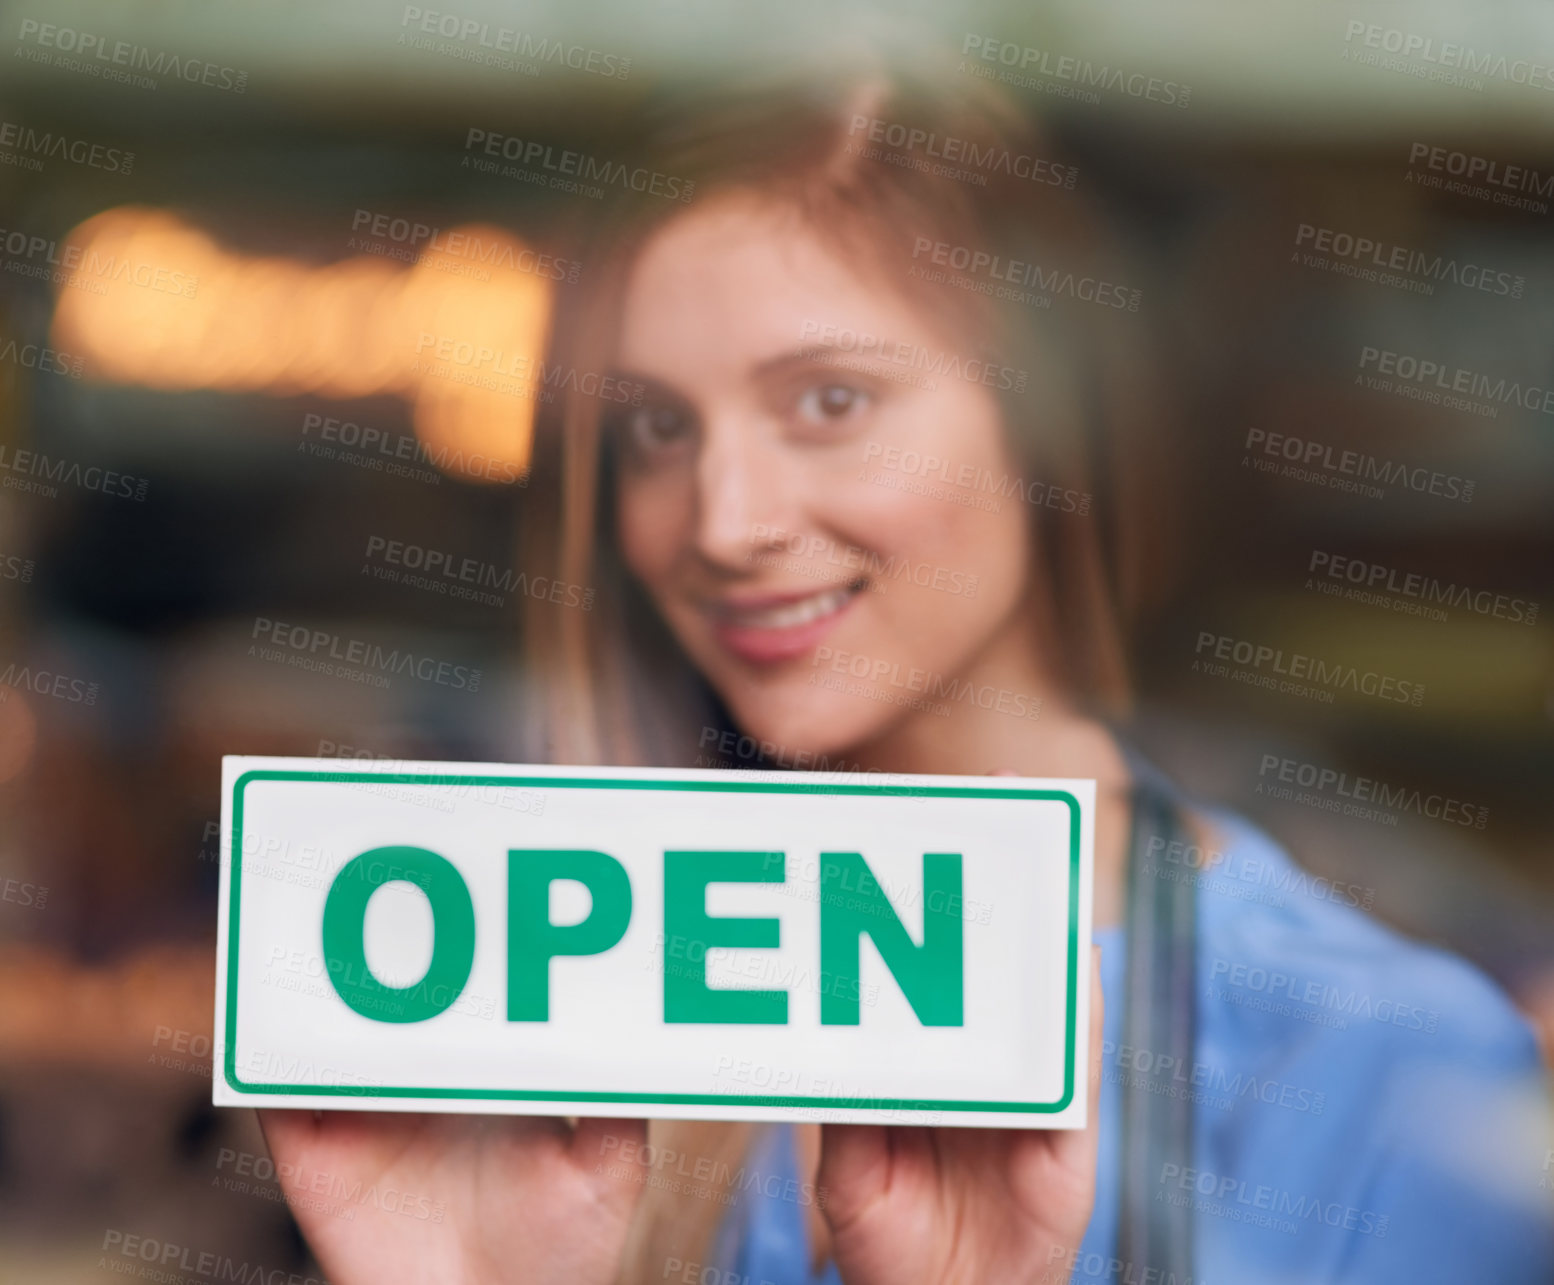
<point x="663" y="1099"/>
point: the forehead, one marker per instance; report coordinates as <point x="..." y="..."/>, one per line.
<point x="724" y="287"/>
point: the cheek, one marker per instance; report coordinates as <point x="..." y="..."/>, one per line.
<point x="948" y="503"/>
<point x="653" y="519"/>
<point x="933" y="542"/>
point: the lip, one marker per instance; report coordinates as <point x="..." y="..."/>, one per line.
<point x="769" y="628"/>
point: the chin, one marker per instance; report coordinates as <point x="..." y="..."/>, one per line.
<point x="801" y="732"/>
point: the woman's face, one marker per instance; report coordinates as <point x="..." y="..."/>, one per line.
<point x="774" y="498"/>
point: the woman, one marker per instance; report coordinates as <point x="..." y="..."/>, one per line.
<point x="876" y="272"/>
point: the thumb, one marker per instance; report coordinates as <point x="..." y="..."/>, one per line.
<point x="596" y="1140"/>
<point x="1076" y="1149"/>
<point x="854" y="1170"/>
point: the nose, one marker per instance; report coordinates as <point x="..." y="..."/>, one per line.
<point x="742" y="495"/>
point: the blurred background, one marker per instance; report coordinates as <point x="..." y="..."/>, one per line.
<point x="269" y="338"/>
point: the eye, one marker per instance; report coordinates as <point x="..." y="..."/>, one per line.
<point x="654" y="430"/>
<point x="831" y="403"/>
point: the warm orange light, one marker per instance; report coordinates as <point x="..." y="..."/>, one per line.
<point x="460" y="334"/>
<point x="18" y="732"/>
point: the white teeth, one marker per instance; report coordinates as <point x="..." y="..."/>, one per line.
<point x="792" y="614"/>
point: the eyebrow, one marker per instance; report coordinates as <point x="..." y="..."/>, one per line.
<point x="805" y="355"/>
<point x="650" y="383"/>
<point x="817" y="354"/>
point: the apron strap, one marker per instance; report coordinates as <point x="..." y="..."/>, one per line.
<point x="1158" y="1015"/>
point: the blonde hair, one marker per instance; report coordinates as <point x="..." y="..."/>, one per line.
<point x="610" y="684"/>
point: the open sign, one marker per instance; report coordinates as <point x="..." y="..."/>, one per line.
<point x="906" y="949"/>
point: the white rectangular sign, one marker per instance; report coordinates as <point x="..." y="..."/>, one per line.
<point x="723" y="945"/>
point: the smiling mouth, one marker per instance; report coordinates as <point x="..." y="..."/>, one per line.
<point x="792" y="613"/>
<point x="765" y="632"/>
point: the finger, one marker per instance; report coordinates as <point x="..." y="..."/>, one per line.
<point x="297" y="1135"/>
<point x="854" y="1170"/>
<point x="307" y="1125"/>
<point x="1003" y="771"/>
<point x="596" y="1139"/>
<point x="1076" y="1149"/>
<point x="284" y="1131"/>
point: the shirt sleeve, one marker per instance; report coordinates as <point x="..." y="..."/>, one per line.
<point x="1459" y="1158"/>
<point x="1376" y="1112"/>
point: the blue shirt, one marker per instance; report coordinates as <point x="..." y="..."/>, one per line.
<point x="1367" y="1110"/>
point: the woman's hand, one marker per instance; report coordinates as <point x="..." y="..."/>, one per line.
<point x="961" y="1206"/>
<point x="390" y="1198"/>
